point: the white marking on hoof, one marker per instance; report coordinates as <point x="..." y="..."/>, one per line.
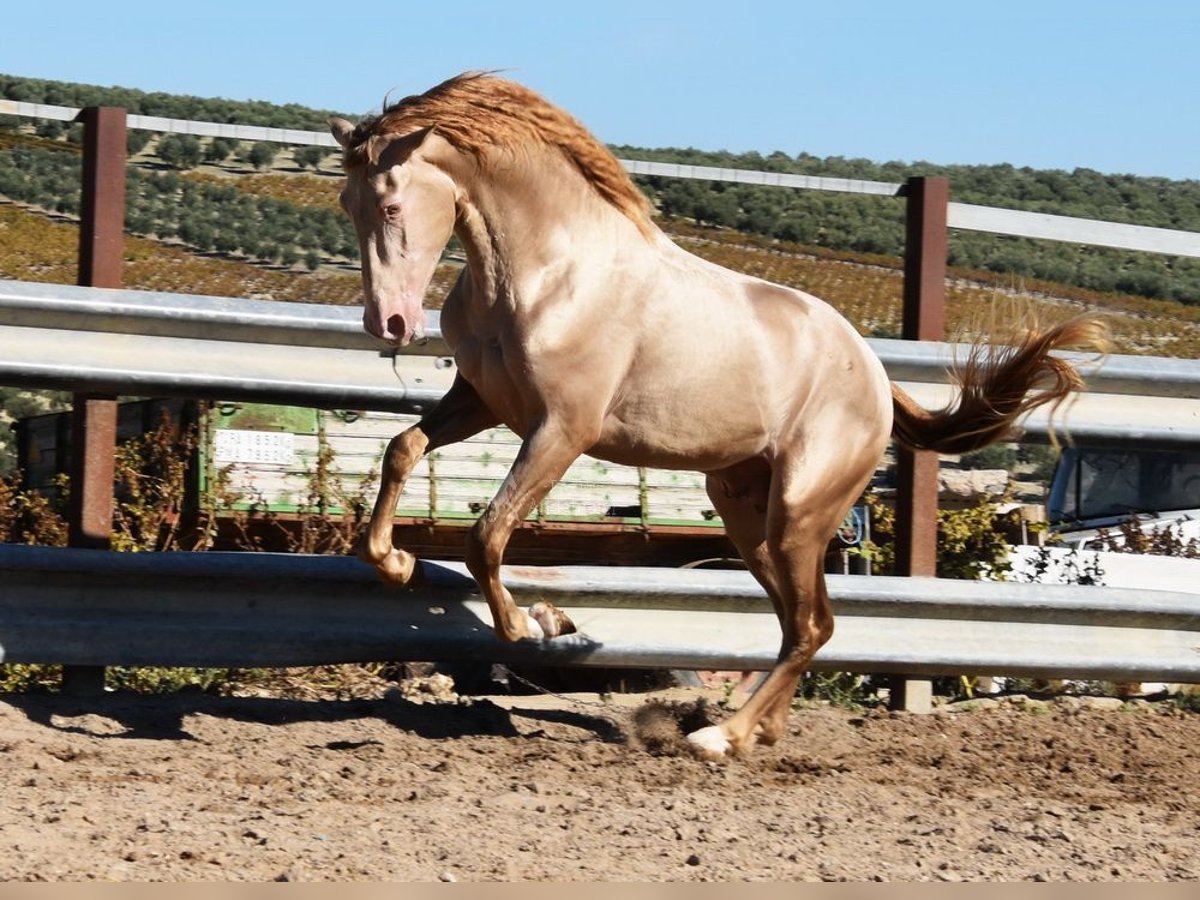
<point x="710" y="741"/>
<point x="536" y="632"/>
<point x="552" y="619"/>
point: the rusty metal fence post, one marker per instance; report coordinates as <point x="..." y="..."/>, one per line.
<point x="94" y="416"/>
<point x="917" y="471"/>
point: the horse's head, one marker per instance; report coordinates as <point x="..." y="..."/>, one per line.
<point x="403" y="208"/>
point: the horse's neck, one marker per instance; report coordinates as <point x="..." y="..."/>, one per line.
<point x="532" y="218"/>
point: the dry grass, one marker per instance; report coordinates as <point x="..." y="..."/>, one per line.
<point x="302" y="190"/>
<point x="36" y="248"/>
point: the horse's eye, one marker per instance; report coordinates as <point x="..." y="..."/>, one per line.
<point x="391" y="211"/>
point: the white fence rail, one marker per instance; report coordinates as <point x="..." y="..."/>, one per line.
<point x="969" y="217"/>
<point x="178" y="126"/>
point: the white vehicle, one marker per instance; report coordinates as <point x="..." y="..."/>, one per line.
<point x="1098" y="499"/>
<point x="1098" y="493"/>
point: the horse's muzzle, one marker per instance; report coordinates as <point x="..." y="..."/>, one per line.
<point x="395" y="329"/>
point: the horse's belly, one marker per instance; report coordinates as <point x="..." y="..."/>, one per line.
<point x="692" y="441"/>
<point x="709" y="423"/>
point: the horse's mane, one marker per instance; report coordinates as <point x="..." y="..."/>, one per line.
<point x="476" y="112"/>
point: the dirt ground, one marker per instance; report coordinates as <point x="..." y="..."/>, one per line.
<point x="402" y="786"/>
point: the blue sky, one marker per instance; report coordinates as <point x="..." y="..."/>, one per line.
<point x="1044" y="83"/>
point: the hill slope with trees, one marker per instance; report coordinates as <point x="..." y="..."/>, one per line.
<point x="167" y="200"/>
<point x="864" y="224"/>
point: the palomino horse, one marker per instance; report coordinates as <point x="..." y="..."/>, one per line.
<point x="578" y="324"/>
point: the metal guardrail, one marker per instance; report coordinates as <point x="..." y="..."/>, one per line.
<point x="94" y="608"/>
<point x="143" y="343"/>
<point x="62" y="337"/>
<point x="191" y="316"/>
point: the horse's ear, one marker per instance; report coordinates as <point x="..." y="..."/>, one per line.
<point x="392" y="150"/>
<point x="341" y="131"/>
<point x="415" y="139"/>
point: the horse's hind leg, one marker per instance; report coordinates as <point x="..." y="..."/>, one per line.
<point x="789" y="563"/>
<point x="741" y="494"/>
<point x="807" y="625"/>
<point x="458" y="415"/>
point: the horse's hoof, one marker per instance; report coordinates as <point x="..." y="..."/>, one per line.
<point x="400" y="568"/>
<point x="550" y="619"/>
<point x="710" y="742"/>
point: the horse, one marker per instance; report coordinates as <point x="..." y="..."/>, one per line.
<point x="580" y="325"/>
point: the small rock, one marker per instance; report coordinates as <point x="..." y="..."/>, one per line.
<point x="1101" y="702"/>
<point x="693" y="860"/>
<point x="447" y="876"/>
<point x="1022" y="701"/>
<point x="972" y="705"/>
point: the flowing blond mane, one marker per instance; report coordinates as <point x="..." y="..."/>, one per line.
<point x="477" y="112"/>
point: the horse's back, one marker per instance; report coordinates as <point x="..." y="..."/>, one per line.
<point x="783" y="335"/>
<point x="728" y="366"/>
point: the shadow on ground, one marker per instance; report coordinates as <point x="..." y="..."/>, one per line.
<point x="164" y="716"/>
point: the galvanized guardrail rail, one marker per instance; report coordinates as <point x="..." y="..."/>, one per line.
<point x="91" y="608"/>
<point x="144" y="343"/>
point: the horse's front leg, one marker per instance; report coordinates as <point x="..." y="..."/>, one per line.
<point x="544" y="457"/>
<point x="458" y="415"/>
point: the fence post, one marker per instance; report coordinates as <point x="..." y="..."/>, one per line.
<point x="917" y="471"/>
<point x="94" y="416"/>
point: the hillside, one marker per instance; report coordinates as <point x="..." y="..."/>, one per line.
<point x="844" y="223"/>
<point x="37" y="246"/>
<point x="874" y="225"/>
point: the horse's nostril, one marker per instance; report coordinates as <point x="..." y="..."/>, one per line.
<point x="396" y="326"/>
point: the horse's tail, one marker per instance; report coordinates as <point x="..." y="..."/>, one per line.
<point x="997" y="384"/>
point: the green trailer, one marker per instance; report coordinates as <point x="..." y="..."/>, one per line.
<point x="267" y="468"/>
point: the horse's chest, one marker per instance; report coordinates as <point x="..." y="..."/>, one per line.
<point x="481" y="363"/>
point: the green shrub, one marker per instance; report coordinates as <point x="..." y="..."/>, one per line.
<point x="997" y="456"/>
<point x="971" y="542"/>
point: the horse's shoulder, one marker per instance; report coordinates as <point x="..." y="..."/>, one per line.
<point x="767" y="293"/>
